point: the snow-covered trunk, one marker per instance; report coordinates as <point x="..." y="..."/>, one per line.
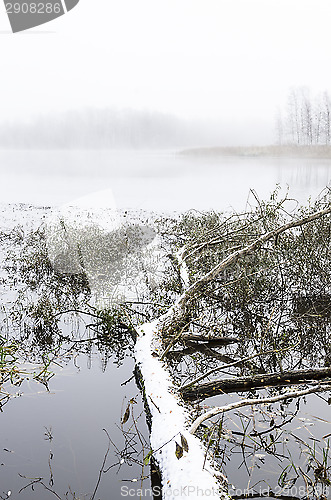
<point x="189" y="473"/>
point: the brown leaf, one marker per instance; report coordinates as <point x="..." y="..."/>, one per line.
<point x="179" y="451"/>
<point x="126" y="414"/>
<point x="184" y="443"/>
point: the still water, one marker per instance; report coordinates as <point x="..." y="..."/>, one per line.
<point x="81" y="402"/>
<point x="157" y="181"/>
<point x="83" y="399"/>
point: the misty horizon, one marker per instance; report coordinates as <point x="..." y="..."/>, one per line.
<point x="126" y="128"/>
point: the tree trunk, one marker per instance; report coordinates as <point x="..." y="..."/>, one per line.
<point x="241" y="384"/>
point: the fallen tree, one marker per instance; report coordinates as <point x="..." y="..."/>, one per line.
<point x="234" y="291"/>
<point x="171" y="420"/>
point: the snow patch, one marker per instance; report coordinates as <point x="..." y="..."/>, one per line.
<point x="183" y="269"/>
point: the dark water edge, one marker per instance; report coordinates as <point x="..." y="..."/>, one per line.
<point x="81" y="402"/>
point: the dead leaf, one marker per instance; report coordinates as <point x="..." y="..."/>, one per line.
<point x="126" y="415"/>
<point x="184" y="443"/>
<point x="179" y="451"/>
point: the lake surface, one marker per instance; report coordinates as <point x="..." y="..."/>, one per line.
<point x="58" y="434"/>
<point x="154" y="181"/>
<point x="84" y="399"/>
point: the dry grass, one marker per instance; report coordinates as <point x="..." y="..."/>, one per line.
<point x="286" y="151"/>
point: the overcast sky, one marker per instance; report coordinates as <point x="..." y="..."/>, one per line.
<point x="229" y="60"/>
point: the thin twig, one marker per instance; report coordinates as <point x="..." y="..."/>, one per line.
<point x="102" y="466"/>
<point x="240" y="361"/>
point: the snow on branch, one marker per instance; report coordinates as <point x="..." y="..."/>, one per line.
<point x="233" y="257"/>
<point x="256" y="401"/>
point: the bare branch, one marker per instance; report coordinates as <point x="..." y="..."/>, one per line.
<point x="195" y="287"/>
<point x="235" y="363"/>
<point x="256" y="401"/>
<point x="176" y="313"/>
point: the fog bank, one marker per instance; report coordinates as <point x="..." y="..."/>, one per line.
<point x="107" y="128"/>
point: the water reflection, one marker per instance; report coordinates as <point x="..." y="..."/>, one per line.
<point x="154" y="181"/>
<point x="59" y="326"/>
<point x="82" y="401"/>
<point x="74" y="380"/>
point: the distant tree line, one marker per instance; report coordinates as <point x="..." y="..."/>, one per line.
<point x="101" y="128"/>
<point x="306" y="120"/>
